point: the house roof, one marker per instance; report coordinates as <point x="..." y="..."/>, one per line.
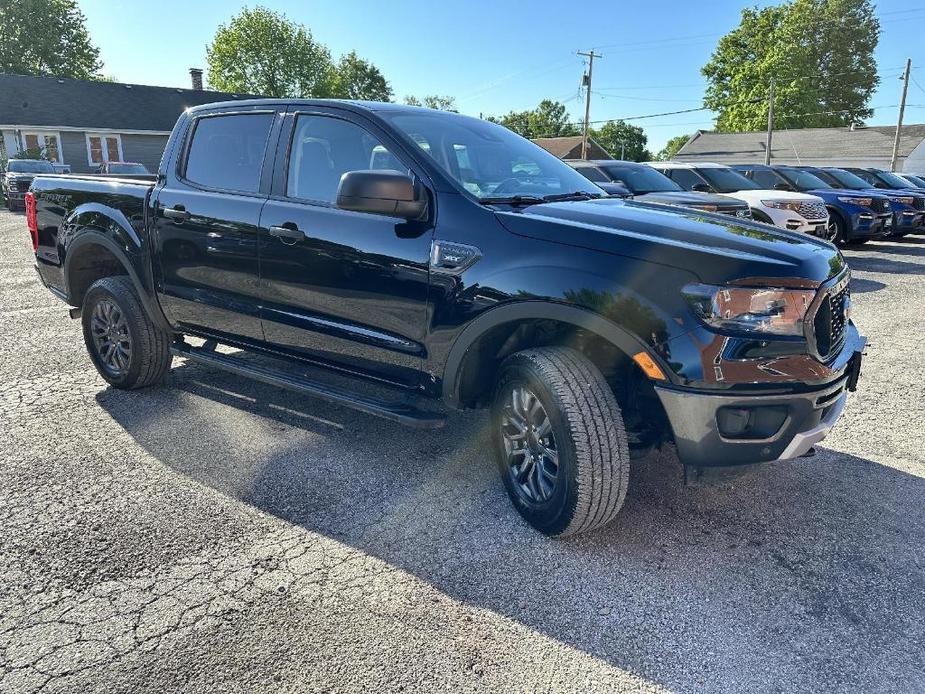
<point x="61" y="102"/>
<point x="804" y="143"/>
<point x="562" y="147"/>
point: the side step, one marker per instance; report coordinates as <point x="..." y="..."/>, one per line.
<point x="396" y="411"/>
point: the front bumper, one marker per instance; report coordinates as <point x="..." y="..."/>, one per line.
<point x="793" y="221"/>
<point x="740" y="427"/>
<point x="908" y="221"/>
<point x="869" y="224"/>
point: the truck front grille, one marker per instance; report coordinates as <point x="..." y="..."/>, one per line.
<point x="919" y="203"/>
<point x="813" y="210"/>
<point x="831" y="320"/>
<point x="880" y="205"/>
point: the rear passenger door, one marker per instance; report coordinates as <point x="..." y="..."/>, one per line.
<point x="345" y="288"/>
<point x="206" y="221"/>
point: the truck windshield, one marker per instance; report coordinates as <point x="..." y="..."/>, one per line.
<point x="640" y="180"/>
<point x="29" y="166"/>
<point x="125" y="168"/>
<point x="844" y="179"/>
<point x="802" y="180"/>
<point x="725" y="180"/>
<point x="487" y="159"/>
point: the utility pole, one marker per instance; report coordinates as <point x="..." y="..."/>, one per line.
<point x="591" y="55"/>
<point x="767" y="146"/>
<point x="902" y="110"/>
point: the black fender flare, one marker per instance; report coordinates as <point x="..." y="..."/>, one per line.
<point x="88" y="237"/>
<point x="620" y="337"/>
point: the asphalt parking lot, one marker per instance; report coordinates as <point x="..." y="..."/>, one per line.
<point x="218" y="535"/>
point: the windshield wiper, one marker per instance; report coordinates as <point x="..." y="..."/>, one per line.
<point x="576" y="195"/>
<point x="513" y="200"/>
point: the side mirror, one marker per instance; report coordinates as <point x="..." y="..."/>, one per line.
<point x="783" y="186"/>
<point x="385" y="192"/>
<point x="700" y="188"/>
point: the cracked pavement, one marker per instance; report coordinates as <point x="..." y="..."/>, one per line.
<point x="213" y="534"/>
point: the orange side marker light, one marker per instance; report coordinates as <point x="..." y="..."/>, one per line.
<point x="648" y="366"/>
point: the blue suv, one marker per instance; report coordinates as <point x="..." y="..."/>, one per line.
<point x="908" y="206"/>
<point x="854" y="217"/>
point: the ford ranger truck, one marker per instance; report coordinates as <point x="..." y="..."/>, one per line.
<point x="854" y="216"/>
<point x="405" y="261"/>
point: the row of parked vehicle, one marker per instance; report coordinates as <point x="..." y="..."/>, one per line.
<point x="846" y="205"/>
<point x="20" y="173"/>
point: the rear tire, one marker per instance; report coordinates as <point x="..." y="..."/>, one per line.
<point x="566" y="465"/>
<point x="127" y="349"/>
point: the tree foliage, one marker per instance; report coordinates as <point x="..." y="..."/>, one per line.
<point x="46" y="37"/>
<point x="262" y="52"/>
<point x="436" y="101"/>
<point x="355" y="78"/>
<point x="820" y="54"/>
<point x="622" y="140"/>
<point x="548" y="119"/>
<point x="671" y="147"/>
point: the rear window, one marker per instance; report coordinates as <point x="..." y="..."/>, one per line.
<point x="30" y="166"/>
<point x="227" y="151"/>
<point x="127" y="168"/>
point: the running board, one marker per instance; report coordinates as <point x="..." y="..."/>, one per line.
<point x="396" y="411"/>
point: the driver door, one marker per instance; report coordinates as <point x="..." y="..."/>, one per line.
<point x="345" y="288"/>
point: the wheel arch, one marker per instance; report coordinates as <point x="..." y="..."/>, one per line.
<point x="93" y="254"/>
<point x="495" y="331"/>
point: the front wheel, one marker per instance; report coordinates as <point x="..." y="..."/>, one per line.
<point x="125" y="346"/>
<point x="559" y="441"/>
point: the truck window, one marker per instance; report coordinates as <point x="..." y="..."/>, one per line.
<point x="593" y="174"/>
<point x="227" y="151"/>
<point x="685" y="178"/>
<point x="324" y="149"/>
<point x="766" y="179"/>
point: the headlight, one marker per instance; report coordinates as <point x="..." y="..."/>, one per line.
<point x="863" y="202"/>
<point x="753" y="310"/>
<point x="793" y="205"/>
<point x="705" y="208"/>
<point x="904" y="200"/>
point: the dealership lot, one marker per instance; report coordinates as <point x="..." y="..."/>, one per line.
<point x="215" y="534"/>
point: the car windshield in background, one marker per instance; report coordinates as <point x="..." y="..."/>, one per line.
<point x="845" y="179"/>
<point x="802" y="180"/>
<point x="640" y="180"/>
<point x="915" y="180"/>
<point x="127" y="169"/>
<point x="891" y="180"/>
<point x="489" y="160"/>
<point x="22" y="166"/>
<point x="727" y="180"/>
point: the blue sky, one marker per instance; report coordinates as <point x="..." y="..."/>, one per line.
<point x="500" y="56"/>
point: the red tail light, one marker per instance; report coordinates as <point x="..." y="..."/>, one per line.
<point x="32" y="221"/>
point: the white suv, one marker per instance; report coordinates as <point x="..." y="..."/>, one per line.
<point x="793" y="211"/>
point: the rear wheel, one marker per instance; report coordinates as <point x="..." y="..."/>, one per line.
<point x="559" y="441"/>
<point x="125" y="346"/>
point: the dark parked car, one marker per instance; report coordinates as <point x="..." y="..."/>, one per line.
<point x="908" y="206"/>
<point x="385" y="257"/>
<point x="645" y="184"/>
<point x="854" y="217"/>
<point x="18" y="177"/>
<point x="918" y="183"/>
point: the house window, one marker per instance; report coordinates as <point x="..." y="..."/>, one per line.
<point x="103" y="147"/>
<point x="47" y="142"/>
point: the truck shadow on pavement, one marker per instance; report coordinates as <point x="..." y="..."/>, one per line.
<point x="797" y="576"/>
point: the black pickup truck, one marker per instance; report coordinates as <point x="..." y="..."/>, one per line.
<point x="404" y="261"/>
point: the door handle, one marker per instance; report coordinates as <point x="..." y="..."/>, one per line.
<point x="176" y="212"/>
<point x="288" y="231"/>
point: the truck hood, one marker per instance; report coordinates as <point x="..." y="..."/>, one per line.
<point x="685" y="198"/>
<point x="716" y="248"/>
<point x="843" y="192"/>
<point x="754" y="197"/>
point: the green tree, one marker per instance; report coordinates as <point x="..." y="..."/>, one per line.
<point x="356" y="78"/>
<point x="261" y="52"/>
<point x="548" y="119"/>
<point x="820" y="54"/>
<point x="46" y="37"/>
<point x="671" y="147"/>
<point x="441" y="103"/>
<point x="622" y="140"/>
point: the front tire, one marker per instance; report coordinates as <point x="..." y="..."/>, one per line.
<point x="559" y="441"/>
<point x="127" y="349"/>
